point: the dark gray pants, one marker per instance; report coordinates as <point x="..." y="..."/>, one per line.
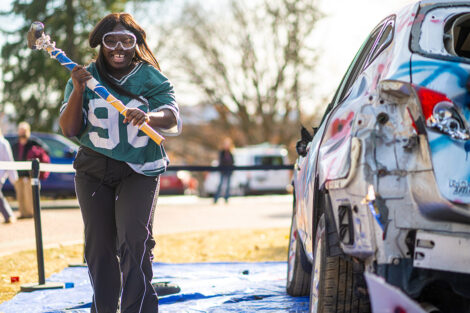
<point x="5" y="208"/>
<point x="224" y="177"/>
<point x="117" y="206"/>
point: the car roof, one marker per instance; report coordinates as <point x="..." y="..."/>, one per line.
<point x="41" y="135"/>
<point x="450" y="2"/>
<point x="261" y="149"/>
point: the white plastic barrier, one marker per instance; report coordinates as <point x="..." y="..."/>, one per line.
<point x="43" y="167"/>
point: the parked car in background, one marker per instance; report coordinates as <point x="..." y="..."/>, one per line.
<point x="247" y="182"/>
<point x="382" y="189"/>
<point x="178" y="183"/>
<point x="61" y="151"/>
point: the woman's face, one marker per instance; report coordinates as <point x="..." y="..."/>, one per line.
<point x="119" y="59"/>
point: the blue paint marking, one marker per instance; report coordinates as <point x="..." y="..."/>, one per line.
<point x="437" y="67"/>
<point x="441" y="68"/>
<point x="375" y="214"/>
<point x="444" y="141"/>
<point x="403" y="70"/>
<point x="439" y="143"/>
<point x="467" y="149"/>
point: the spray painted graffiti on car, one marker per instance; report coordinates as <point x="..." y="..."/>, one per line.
<point x="382" y="188"/>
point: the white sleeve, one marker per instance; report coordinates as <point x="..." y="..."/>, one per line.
<point x="175" y="130"/>
<point x="12" y="174"/>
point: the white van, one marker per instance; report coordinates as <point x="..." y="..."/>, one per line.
<point x="254" y="181"/>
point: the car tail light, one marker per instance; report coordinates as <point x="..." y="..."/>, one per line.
<point x="441" y="114"/>
<point x="399" y="309"/>
<point x="429" y="98"/>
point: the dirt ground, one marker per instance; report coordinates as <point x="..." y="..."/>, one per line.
<point x="205" y="246"/>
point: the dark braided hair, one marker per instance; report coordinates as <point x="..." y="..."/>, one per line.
<point x="142" y="51"/>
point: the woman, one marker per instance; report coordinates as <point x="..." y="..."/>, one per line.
<point x="226" y="162"/>
<point x="117" y="167"/>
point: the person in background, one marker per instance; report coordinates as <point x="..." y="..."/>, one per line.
<point x="6" y="155"/>
<point x="225" y="160"/>
<point x="27" y="149"/>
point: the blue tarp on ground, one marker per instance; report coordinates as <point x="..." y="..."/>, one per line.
<point x="205" y="287"/>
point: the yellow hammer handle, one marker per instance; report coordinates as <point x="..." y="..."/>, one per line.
<point x="94" y="85"/>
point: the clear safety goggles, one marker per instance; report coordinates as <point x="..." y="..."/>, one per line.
<point x="126" y="38"/>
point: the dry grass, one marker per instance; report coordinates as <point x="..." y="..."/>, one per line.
<point x="208" y="246"/>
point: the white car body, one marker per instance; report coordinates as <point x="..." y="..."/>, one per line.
<point x="254" y="181"/>
<point x="384" y="185"/>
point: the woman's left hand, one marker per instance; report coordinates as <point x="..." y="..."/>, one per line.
<point x="136" y="116"/>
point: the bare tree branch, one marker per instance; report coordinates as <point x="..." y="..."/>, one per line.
<point x="252" y="64"/>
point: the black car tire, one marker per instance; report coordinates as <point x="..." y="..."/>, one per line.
<point x="298" y="266"/>
<point x="333" y="279"/>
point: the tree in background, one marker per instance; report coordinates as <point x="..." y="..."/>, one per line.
<point x="33" y="82"/>
<point x="251" y="61"/>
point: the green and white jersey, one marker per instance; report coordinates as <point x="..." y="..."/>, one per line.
<point x="103" y="129"/>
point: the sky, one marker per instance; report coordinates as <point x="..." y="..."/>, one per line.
<point x="340" y="34"/>
<point x="337" y="36"/>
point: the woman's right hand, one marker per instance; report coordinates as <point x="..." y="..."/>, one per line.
<point x="79" y="77"/>
<point x="71" y="118"/>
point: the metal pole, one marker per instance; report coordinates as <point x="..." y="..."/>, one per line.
<point x="42" y="285"/>
<point x="37" y="220"/>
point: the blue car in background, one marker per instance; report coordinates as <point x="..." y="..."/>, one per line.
<point x="61" y="151"/>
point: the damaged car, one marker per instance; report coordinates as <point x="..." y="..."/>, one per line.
<point x="382" y="186"/>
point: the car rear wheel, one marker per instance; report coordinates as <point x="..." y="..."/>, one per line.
<point x="298" y="266"/>
<point x="333" y="280"/>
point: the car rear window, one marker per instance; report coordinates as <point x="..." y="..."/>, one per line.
<point x="443" y="31"/>
<point x="456" y="38"/>
<point x="268" y="160"/>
